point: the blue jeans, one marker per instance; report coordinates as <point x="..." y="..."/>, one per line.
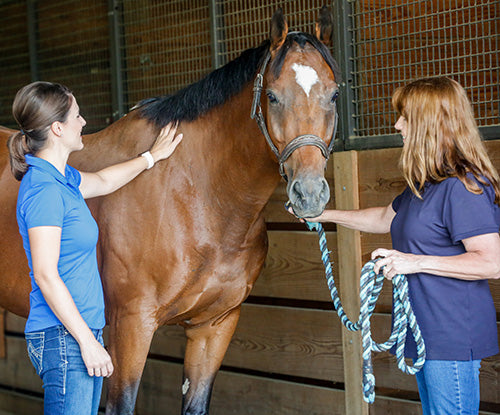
<point x="57" y="359"/>
<point x="449" y="387"/>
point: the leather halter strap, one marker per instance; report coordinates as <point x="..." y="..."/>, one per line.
<point x="297" y="142"/>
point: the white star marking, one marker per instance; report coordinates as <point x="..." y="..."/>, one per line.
<point x="305" y="76"/>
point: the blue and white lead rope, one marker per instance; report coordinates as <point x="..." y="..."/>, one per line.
<point x="369" y="291"/>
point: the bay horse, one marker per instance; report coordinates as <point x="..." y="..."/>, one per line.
<point x="185" y="241"/>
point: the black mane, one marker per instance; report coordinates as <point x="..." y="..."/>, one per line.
<point x="218" y="86"/>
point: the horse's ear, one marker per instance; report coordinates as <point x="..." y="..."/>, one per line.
<point x="279" y="30"/>
<point x="324" y="26"/>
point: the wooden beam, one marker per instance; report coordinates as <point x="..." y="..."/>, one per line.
<point x="349" y="253"/>
<point x="3" y="350"/>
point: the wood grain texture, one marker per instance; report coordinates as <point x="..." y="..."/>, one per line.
<point x="2" y="334"/>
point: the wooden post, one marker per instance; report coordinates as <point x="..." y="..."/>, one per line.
<point x="345" y="166"/>
<point x="3" y="348"/>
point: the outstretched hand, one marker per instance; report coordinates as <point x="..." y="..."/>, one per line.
<point x="320" y="218"/>
<point x="166" y="142"/>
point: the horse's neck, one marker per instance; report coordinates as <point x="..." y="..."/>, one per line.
<point x="223" y="152"/>
<point x="233" y="143"/>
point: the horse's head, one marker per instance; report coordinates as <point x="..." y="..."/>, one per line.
<point x="299" y="80"/>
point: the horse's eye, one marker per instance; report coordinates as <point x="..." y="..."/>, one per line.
<point x="272" y="98"/>
<point x="335" y="96"/>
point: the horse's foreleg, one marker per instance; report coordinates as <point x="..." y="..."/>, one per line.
<point x="130" y="338"/>
<point x="205" y="349"/>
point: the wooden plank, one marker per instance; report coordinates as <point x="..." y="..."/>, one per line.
<point x="17" y="370"/>
<point x="2" y="334"/>
<point x="294" y="342"/>
<point x="249" y="395"/>
<point x="293" y="267"/>
<point x="14" y="323"/>
<point x="160" y="388"/>
<point x="349" y="247"/>
<point x="15" y="403"/>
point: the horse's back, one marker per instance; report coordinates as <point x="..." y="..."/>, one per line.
<point x="14" y="271"/>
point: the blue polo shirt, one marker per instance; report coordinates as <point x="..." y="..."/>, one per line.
<point x="47" y="198"/>
<point x="457" y="317"/>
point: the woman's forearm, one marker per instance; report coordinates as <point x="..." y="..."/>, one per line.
<point x="111" y="178"/>
<point x="62" y="305"/>
<point x="372" y="220"/>
<point x="468" y="266"/>
<point x="480" y="261"/>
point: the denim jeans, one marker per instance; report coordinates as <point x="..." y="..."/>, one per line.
<point x="57" y="359"/>
<point x="449" y="387"/>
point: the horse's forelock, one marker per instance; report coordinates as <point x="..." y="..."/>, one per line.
<point x="301" y="39"/>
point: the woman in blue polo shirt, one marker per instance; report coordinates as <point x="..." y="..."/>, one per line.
<point x="64" y="327"/>
<point x="444" y="229"/>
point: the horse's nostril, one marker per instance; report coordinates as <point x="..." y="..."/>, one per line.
<point x="325" y="188"/>
<point x="297" y="189"/>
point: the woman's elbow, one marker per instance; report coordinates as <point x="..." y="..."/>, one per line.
<point x="492" y="270"/>
<point x="496" y="273"/>
<point x="42" y="279"/>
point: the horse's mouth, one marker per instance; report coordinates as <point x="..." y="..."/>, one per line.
<point x="308" y="196"/>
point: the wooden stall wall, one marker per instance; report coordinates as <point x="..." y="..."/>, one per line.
<point x="289" y="355"/>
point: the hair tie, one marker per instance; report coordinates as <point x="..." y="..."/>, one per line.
<point x="22" y="132"/>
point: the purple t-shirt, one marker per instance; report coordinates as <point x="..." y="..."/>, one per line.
<point x="457" y="317"/>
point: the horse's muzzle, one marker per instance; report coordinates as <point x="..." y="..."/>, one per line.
<point x="308" y="195"/>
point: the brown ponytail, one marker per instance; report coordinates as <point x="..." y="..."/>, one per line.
<point x="36" y="106"/>
<point x="17" y="150"/>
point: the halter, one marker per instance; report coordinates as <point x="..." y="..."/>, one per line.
<point x="297" y="142"/>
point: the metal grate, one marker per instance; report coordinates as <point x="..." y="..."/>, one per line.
<point x="246" y="23"/>
<point x="113" y="54"/>
<point x="397" y="41"/>
<point x="14" y="56"/>
<point x="72" y="48"/>
<point x="165" y="45"/>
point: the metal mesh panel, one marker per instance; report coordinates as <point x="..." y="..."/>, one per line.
<point x="397" y="41"/>
<point x="246" y="23"/>
<point x="73" y="49"/>
<point x="14" y="56"/>
<point x="166" y="45"/>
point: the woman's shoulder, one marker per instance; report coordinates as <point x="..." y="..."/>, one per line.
<point x="452" y="182"/>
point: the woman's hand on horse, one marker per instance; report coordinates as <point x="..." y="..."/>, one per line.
<point x="394" y="262"/>
<point x="96" y="359"/>
<point x="166" y="142"/>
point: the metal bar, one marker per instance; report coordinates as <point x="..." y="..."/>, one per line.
<point x="32" y="38"/>
<point x="116" y="67"/>
<point x="344" y="52"/>
<point x="490" y="132"/>
<point x="216" y="27"/>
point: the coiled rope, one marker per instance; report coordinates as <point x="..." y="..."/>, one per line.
<point x="369" y="291"/>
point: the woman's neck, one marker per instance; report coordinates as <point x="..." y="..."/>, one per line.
<point x="58" y="158"/>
